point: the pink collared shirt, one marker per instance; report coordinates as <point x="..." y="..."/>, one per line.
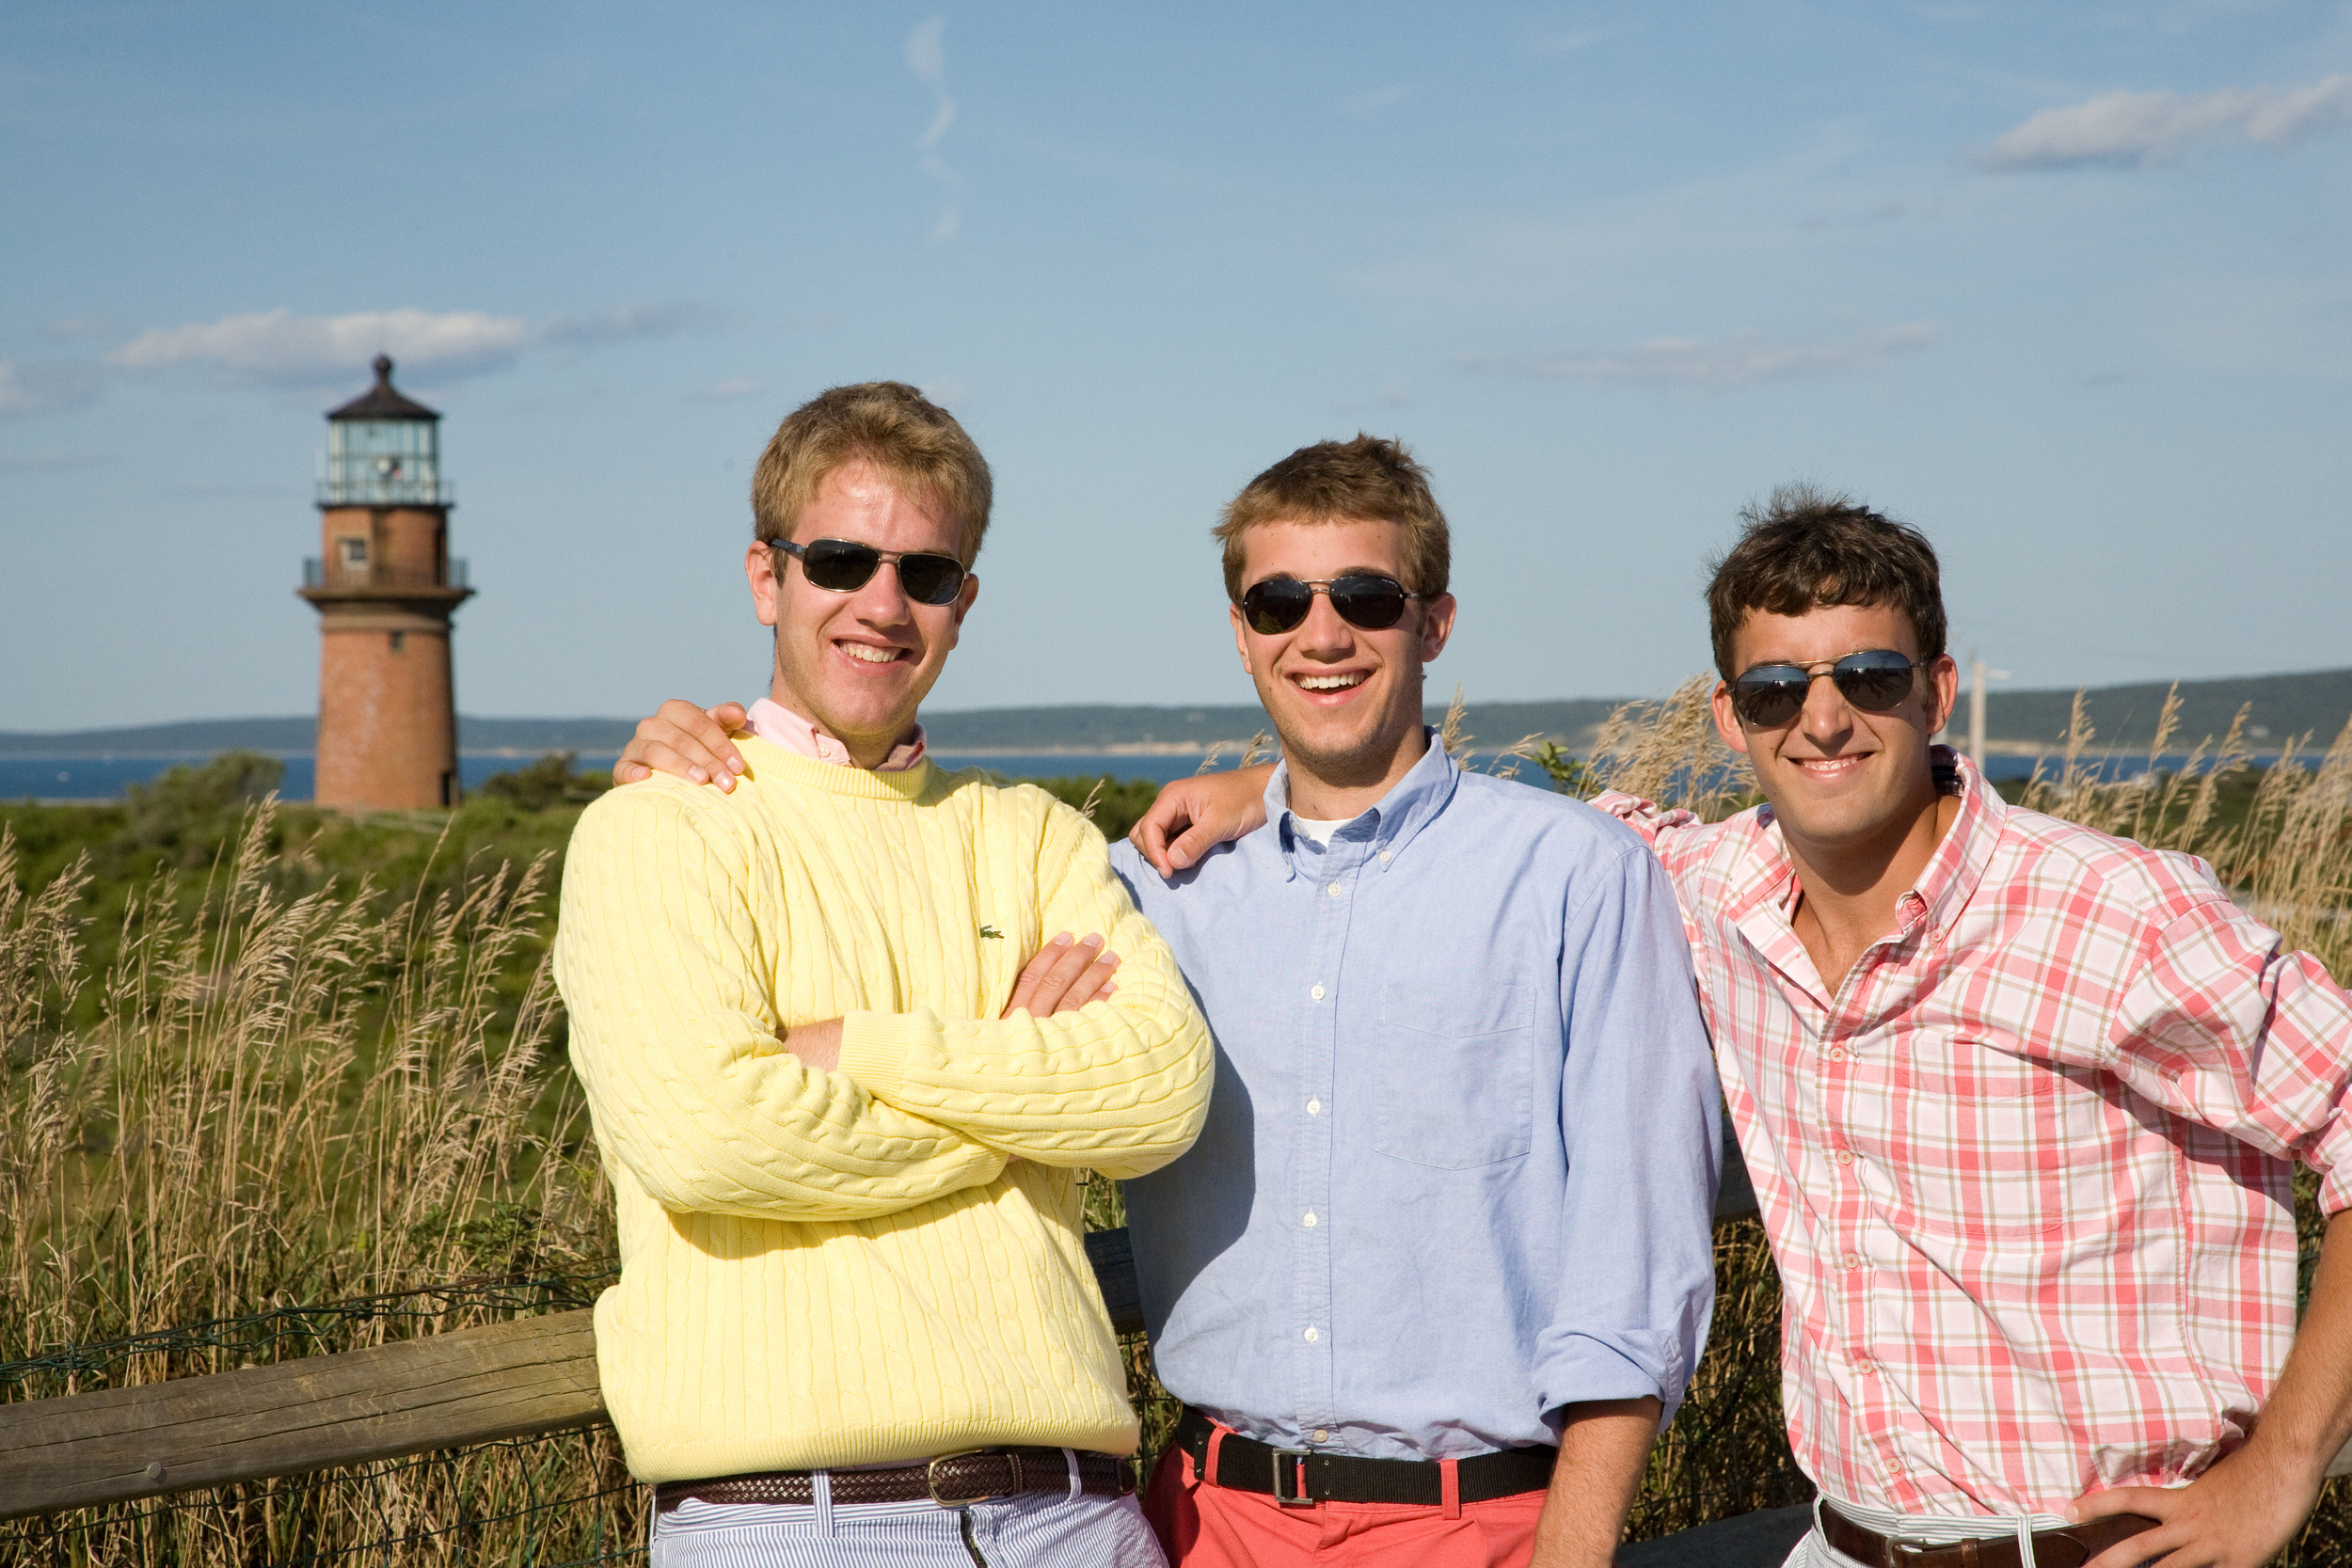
<point x="2026" y="1168"/>
<point x="779" y="725"/>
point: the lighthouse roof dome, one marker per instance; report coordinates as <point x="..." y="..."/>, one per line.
<point x="382" y="402"/>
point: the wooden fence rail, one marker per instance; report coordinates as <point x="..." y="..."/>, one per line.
<point x="526" y="1378"/>
<point x="517" y="1379"/>
<point x="514" y="1379"/>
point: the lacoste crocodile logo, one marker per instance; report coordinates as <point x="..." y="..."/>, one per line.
<point x="993" y="933"/>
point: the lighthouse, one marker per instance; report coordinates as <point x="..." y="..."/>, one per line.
<point x="384" y="586"/>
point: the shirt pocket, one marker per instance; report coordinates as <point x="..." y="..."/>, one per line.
<point x="1993" y="1144"/>
<point x="1453" y="1073"/>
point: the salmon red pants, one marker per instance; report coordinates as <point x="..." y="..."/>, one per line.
<point x="1215" y="1526"/>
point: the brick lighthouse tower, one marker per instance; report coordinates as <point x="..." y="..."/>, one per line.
<point x="384" y="590"/>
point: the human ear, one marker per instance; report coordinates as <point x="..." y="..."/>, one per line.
<point x="1241" y="638"/>
<point x="1726" y="720"/>
<point x="1943" y="699"/>
<point x="759" y="570"/>
<point x="1436" y="624"/>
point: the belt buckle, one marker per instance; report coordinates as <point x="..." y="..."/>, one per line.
<point x="1902" y="1548"/>
<point x="930" y="1480"/>
<point x="1300" y="1497"/>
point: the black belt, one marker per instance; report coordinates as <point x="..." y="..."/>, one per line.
<point x="1306" y="1476"/>
<point x="2051" y="1548"/>
<point x="953" y="1480"/>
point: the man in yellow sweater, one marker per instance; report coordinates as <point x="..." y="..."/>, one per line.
<point x="844" y="1113"/>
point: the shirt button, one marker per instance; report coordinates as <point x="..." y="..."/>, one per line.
<point x="1850" y="1260"/>
<point x="1836" y="1053"/>
<point x="1384" y="857"/>
<point x="1845" y="1156"/>
<point x="1309" y="1221"/>
<point x="1316" y="993"/>
<point x="1323" y="1434"/>
<point x="1862" y="1364"/>
<point x="1314" y="1107"/>
<point x="1313" y="1334"/>
<point x="1335" y="890"/>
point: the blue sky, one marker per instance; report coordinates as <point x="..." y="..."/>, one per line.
<point x="2068" y="286"/>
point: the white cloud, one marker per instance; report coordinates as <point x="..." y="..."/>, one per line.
<point x="45" y="386"/>
<point x="2140" y="128"/>
<point x="927" y="57"/>
<point x="1740" y="359"/>
<point x="281" y="349"/>
<point x="729" y="391"/>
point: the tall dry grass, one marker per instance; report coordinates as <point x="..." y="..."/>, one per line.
<point x="284" y="1102"/>
<point x="280" y="1103"/>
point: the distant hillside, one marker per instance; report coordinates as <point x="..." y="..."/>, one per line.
<point x="2125" y="716"/>
<point x="1035" y="729"/>
<point x="201" y="737"/>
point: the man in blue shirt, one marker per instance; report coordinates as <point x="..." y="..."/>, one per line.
<point x="1439" y="1265"/>
<point x="1453" y="1204"/>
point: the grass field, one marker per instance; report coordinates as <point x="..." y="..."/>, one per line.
<point x="256" y="1057"/>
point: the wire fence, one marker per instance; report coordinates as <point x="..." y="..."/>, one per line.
<point x="550" y="1501"/>
<point x="286" y="1332"/>
<point x="565" y="1499"/>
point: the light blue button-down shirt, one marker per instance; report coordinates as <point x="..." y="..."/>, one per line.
<point x="1459" y="1169"/>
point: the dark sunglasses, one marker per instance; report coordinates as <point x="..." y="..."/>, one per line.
<point x="1365" y="599"/>
<point x="1769" y="695"/>
<point x="844" y="566"/>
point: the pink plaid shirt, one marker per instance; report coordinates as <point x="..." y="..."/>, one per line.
<point x="2026" y="1171"/>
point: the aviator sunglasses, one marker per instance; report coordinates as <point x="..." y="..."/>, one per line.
<point x="1364" y="600"/>
<point x="844" y="566"/>
<point x="1875" y="680"/>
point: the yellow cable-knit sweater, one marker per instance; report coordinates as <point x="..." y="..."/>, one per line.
<point x="883" y="1262"/>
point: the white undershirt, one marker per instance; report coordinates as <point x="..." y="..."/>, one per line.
<point x="1308" y="827"/>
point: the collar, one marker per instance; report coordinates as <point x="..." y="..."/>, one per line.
<point x="1411" y="804"/>
<point x="780" y="726"/>
<point x="1958" y="866"/>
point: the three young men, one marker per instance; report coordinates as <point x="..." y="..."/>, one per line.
<point x="2020" y="1103"/>
<point x="844" y="1118"/>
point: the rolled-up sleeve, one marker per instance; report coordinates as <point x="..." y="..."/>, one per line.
<point x="1641" y="1122"/>
<point x="2224" y="1025"/>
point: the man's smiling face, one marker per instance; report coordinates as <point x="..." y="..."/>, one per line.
<point x="1838" y="777"/>
<point x="1345" y="701"/>
<point x="859" y="664"/>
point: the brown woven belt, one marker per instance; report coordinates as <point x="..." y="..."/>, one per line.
<point x="952" y="1480"/>
<point x="2069" y="1548"/>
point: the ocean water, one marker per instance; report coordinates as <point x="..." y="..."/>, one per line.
<point x="103" y="778"/>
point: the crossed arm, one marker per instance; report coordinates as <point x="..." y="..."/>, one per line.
<point x="697" y="1096"/>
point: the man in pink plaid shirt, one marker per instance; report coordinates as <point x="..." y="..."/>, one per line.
<point x="2020" y="1103"/>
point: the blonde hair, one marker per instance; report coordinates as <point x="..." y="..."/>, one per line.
<point x="912" y="440"/>
<point x="1335" y="481"/>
